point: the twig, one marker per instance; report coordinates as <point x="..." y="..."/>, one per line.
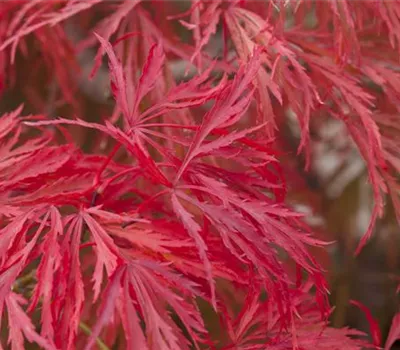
<point x="85" y="329"/>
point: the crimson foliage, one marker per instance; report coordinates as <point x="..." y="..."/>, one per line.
<point x="180" y="197"/>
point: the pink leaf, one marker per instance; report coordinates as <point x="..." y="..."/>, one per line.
<point x="107" y="308"/>
<point x="194" y="230"/>
<point x="118" y="80"/>
<point x="106" y="250"/>
<point x="151" y="72"/>
<point x="394" y="332"/>
<point x="20" y="324"/>
<point x="373" y="323"/>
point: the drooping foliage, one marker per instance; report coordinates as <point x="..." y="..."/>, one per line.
<point x="153" y="211"/>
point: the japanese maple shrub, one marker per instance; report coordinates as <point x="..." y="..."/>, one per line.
<point x="161" y="221"/>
